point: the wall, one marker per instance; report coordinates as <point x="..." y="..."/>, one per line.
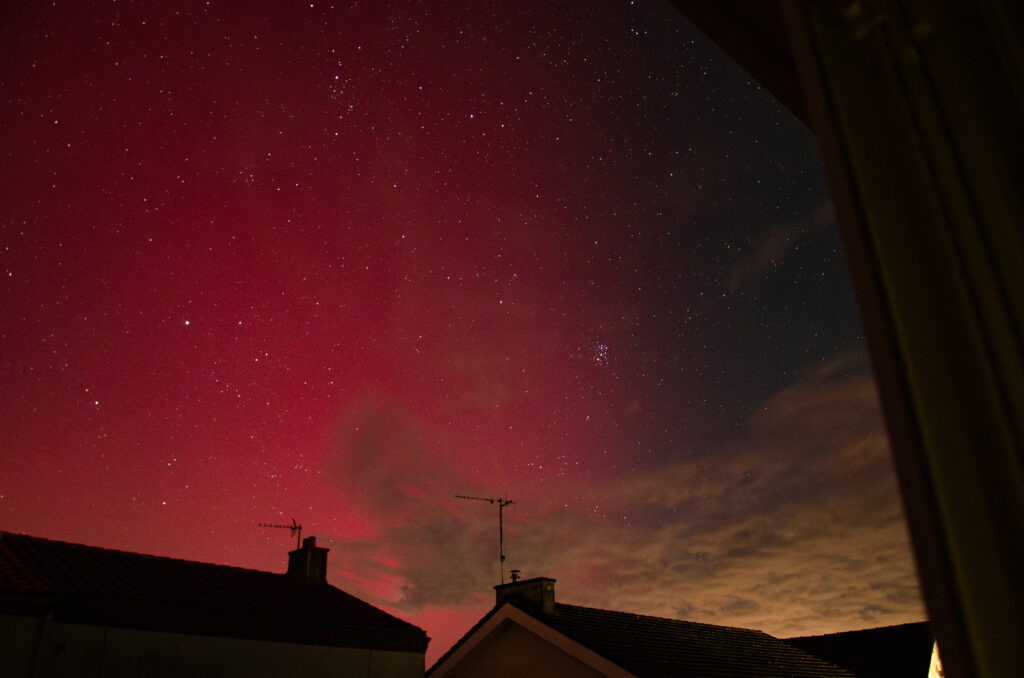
<point x="80" y="650"/>
<point x="511" y="651"/>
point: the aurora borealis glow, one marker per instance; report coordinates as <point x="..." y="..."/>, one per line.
<point x="341" y="262"/>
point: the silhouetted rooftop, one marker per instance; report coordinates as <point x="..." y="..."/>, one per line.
<point x="654" y="647"/>
<point x="885" y="652"/>
<point x="89" y="585"/>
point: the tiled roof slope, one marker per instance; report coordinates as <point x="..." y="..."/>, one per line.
<point x="653" y="647"/>
<point x="89" y="585"/>
<point x="886" y="652"/>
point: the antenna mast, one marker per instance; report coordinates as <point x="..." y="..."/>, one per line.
<point x="294" y="527"/>
<point x="502" y="503"/>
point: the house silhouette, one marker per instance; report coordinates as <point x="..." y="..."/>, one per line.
<point x="529" y="633"/>
<point x="71" y="609"/>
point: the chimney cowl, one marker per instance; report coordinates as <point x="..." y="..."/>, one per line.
<point x="308" y="565"/>
<point x="534" y="595"/>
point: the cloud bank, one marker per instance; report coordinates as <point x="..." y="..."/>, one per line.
<point x="794" y="528"/>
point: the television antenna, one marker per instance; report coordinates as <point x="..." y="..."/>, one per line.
<point x="294" y="527"/>
<point x="502" y="503"/>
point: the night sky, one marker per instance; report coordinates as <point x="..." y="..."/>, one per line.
<point x="343" y="262"/>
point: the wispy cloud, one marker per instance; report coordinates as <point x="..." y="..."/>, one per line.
<point x="776" y="244"/>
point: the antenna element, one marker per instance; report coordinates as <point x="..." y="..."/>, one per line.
<point x="294" y="527"/>
<point x="502" y="503"/>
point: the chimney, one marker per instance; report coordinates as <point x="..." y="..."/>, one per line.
<point x="533" y="595"/>
<point x="308" y="565"/>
